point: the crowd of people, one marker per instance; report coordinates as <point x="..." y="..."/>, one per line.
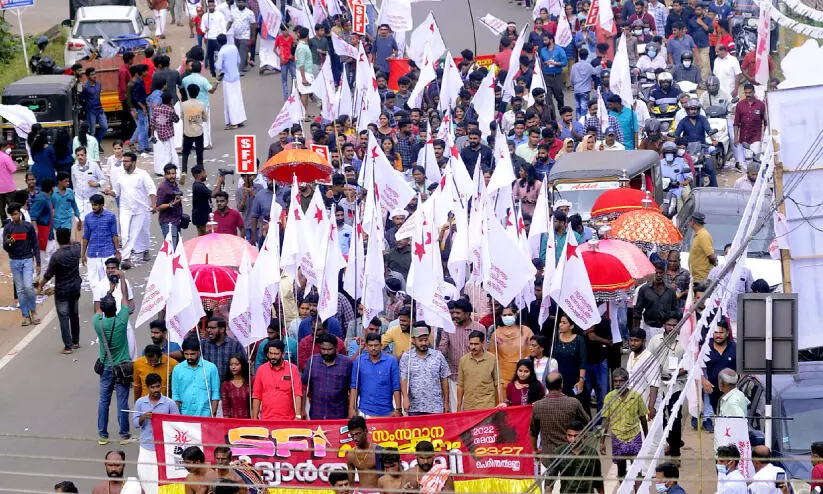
<point x="392" y="364"/>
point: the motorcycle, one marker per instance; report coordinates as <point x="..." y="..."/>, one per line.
<point x="665" y="113"/>
<point x="718" y="120"/>
<point x="744" y="32"/>
<point x="703" y="153"/>
<point x="41" y="64"/>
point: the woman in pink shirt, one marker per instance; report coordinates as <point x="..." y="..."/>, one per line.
<point x="7" y="169"/>
<point x="526" y="188"/>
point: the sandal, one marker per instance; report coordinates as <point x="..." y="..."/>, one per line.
<point x="35" y="321"/>
<point x="26" y="322"/>
<point x="230" y="127"/>
<point x="66" y="351"/>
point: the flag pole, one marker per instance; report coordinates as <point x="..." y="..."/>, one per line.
<point x="474" y="30"/>
<point x="205" y="376"/>
<point x="168" y="366"/>
<point x="496" y="349"/>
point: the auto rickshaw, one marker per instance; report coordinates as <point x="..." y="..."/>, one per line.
<point x="53" y="101"/>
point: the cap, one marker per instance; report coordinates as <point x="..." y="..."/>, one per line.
<point x="699" y="218"/>
<point x="419" y="331"/>
<point x="753" y="167"/>
<point x="610" y="131"/>
<point x="562" y="203"/>
<point x="400" y="212"/>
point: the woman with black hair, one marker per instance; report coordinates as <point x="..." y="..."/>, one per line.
<point x="63" y="152"/>
<point x="85" y="138"/>
<point x="44" y="160"/>
<point x="524" y="389"/>
<point x="526" y="188"/>
<point x="234" y="391"/>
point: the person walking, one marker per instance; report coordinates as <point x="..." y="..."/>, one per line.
<point x="277" y="393"/>
<point x="195" y="385"/>
<point x="283" y="45"/>
<point x="20" y="241"/>
<point x="244" y="22"/>
<point x="152" y="361"/>
<point x="111" y="325"/>
<point x="160" y="9"/>
<point x="424" y="376"/>
<point x="228" y="68"/>
<point x="163" y="118"/>
<point x="214" y="24"/>
<point x="327" y="380"/>
<point x="138" y="196"/>
<point x="87" y="179"/>
<point x="90" y="99"/>
<point x="206" y="88"/>
<point x="551" y="416"/>
<point x="169" y="204"/>
<point x="144" y="407"/>
<point x="64" y="267"/>
<point x="624" y="415"/>
<point x="701" y="255"/>
<point x="477" y="380"/>
<point x="368" y="397"/>
<point x="7" y="185"/>
<point x="100" y="239"/>
<point x="195" y="116"/>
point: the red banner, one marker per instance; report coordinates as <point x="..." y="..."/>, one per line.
<point x="594" y="12"/>
<point x="483" y="448"/>
<point x="245" y="151"/>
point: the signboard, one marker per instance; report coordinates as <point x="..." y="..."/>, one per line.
<point x="359" y="18"/>
<point x="322" y="151"/>
<point x="594" y="14"/>
<point x="486" y="450"/>
<point x="245" y="150"/>
<point x="751" y="333"/>
<point x="15" y="4"/>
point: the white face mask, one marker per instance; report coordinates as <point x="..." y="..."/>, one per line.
<point x="638" y="32"/>
<point x="681" y="152"/>
<point x="669" y="157"/>
<point x="661" y="487"/>
<point x="652" y="53"/>
<point x="508" y="320"/>
<point x="687" y="63"/>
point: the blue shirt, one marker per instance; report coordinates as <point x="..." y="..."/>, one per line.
<point x="518" y="141"/>
<point x="189" y="387"/>
<point x="143" y="405"/>
<point x="376" y="382"/>
<point x="700" y="35"/>
<point x="65" y="206"/>
<point x="722" y="12"/>
<point x="44" y="165"/>
<point x="694" y="132"/>
<point x="90" y="96"/>
<point x="677" y="47"/>
<point x="581" y="77"/>
<point x="228" y="63"/>
<point x="591" y="46"/>
<point x="558" y="55"/>
<point x="98" y="230"/>
<point x="565" y="133"/>
<point x="628" y="124"/>
<point x="40" y="210"/>
<point x="307" y="326"/>
<point x="201" y="82"/>
<point x="291" y="352"/>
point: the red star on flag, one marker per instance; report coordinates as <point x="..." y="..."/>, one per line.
<point x="360" y="229"/>
<point x="376" y="193"/>
<point x="291" y="99"/>
<point x="297" y="214"/>
<point x="428" y="238"/>
<point x="175" y="265"/>
<point x="331" y="232"/>
<point x="571" y="251"/>
<point x="419" y="250"/>
<point x="443" y="182"/>
<point x="454" y="151"/>
<point x="509" y="219"/>
<point x="431" y="27"/>
<point x="374" y="83"/>
<point x="374" y="152"/>
<point x="521" y="226"/>
<point x="318" y="215"/>
<point x="362" y="57"/>
<point x="166" y="248"/>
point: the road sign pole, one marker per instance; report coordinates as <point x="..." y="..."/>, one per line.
<point x="19" y="13"/>
<point x="769" y="345"/>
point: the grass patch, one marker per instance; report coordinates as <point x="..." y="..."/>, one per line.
<point x="16" y="68"/>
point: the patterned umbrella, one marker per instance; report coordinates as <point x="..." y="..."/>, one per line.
<point x="610" y="279"/>
<point x="647" y="229"/>
<point x="215" y="283"/>
<point x="614" y="202"/>
<point x="632" y="258"/>
<point x="218" y="248"/>
<point x="307" y="165"/>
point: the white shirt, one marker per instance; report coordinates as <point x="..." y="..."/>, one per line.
<point x="643" y="375"/>
<point x="213" y="24"/>
<point x="243" y="19"/>
<point x="80" y="180"/>
<point x="101" y="288"/>
<point x="134" y="190"/>
<point x="727" y="69"/>
<point x="732" y="483"/>
<point x="763" y="480"/>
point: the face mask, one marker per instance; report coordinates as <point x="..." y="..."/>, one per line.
<point x="8" y="151"/>
<point x="638" y="32"/>
<point x="722" y="469"/>
<point x="681" y="152"/>
<point x="508" y="320"/>
<point x="661" y="487"/>
<point x="652" y="53"/>
<point x="687" y="64"/>
<point x="647" y="30"/>
<point x="582" y="17"/>
<point x="669" y="157"/>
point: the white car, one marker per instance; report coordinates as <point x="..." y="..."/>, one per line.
<point x="96" y="24"/>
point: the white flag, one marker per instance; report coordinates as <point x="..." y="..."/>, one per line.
<point x="537" y="82"/>
<point x="484" y="102"/>
<point x="450" y="86"/>
<point x="374" y="276"/>
<point x="427" y="75"/>
<point x="299" y="17"/>
<point x="605" y="15"/>
<point x="397" y="14"/>
<point x="356" y="265"/>
<point x="271" y="19"/>
<point x="508" y="268"/>
<point x="761" y="63"/>
<point x="22" y="117"/>
<point x="342" y="48"/>
<point x="389" y="186"/>
<point x="459" y="254"/>
<point x="514" y="61"/>
<point x="240" y="312"/>
<point x="571" y="288"/>
<point x="366" y="97"/>
<point x="427" y="33"/>
<point x="291" y="113"/>
<point x="602" y="112"/>
<point x="345" y="99"/>
<point x="429" y="162"/>
<point x="265" y="276"/>
<point x="313" y="226"/>
<point x="503" y="173"/>
<point x="156" y="294"/>
<point x="563" y="37"/>
<point x="184" y="307"/>
<point x="290" y="253"/>
<point x="621" y="80"/>
<point x="329" y="286"/>
<point x="496" y="25"/>
<point x="323" y="86"/>
<point x="552" y="6"/>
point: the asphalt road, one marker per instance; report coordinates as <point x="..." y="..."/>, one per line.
<point x="48" y="430"/>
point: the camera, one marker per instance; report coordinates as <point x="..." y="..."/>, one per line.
<point x="114" y="279"/>
<point x="225" y="171"/>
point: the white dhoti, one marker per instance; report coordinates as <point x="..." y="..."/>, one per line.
<point x="650" y="331"/>
<point x="160" y="21"/>
<point x="147" y="469"/>
<point x="191" y="8"/>
<point x="164" y="154"/>
<point x="95" y="269"/>
<point x="134" y="229"/>
<point x="132" y="341"/>
<point x="84" y="205"/>
<point x="452" y="395"/>
<point x="268" y="57"/>
<point x="233" y="109"/>
<point x="206" y="130"/>
<point x="178" y="129"/>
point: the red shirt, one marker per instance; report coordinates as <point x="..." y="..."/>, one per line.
<point x="304" y="349"/>
<point x="283" y="46"/>
<point x="123" y="78"/>
<point x="196" y="21"/>
<point x="273" y="387"/>
<point x="817" y="474"/>
<point x="502" y="58"/>
<point x="749" y="64"/>
<point x="229" y="222"/>
<point x="749" y="117"/>
<point x="147" y="78"/>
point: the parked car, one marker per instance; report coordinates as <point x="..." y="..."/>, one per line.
<point x="94" y="26"/>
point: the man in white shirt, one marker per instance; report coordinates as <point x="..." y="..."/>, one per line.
<point x="242" y="26"/>
<point x="137" y="194"/>
<point x="213" y="24"/>
<point x="764" y="481"/>
<point x="644" y="371"/>
<point x="727" y="69"/>
<point x="87" y="178"/>
<point x="103" y="286"/>
<point x="729" y="478"/>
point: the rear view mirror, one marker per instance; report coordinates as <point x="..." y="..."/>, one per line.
<point x="66" y="23"/>
<point x="148" y="21"/>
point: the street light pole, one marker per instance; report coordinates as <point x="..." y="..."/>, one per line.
<point x="474" y="29"/>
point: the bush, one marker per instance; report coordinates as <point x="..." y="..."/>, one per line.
<point x="9" y="43"/>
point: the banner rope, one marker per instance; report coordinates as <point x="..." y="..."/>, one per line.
<point x="788" y="23"/>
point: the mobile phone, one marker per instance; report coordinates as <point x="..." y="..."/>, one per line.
<point x="780" y="479"/>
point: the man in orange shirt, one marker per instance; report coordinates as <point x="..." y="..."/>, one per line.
<point x="277" y="387"/>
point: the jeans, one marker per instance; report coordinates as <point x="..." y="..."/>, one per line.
<point x="69" y="317"/>
<point x="581" y="101"/>
<point x="95" y="118"/>
<point x="22" y="271"/>
<point x="597" y="378"/>
<point x="200" y="38"/>
<point x="286" y="69"/>
<point x="126" y="122"/>
<point x="175" y="232"/>
<point x="141" y="133"/>
<point x="243" y="50"/>
<point x="623" y="322"/>
<point x="107" y="386"/>
<point x="248" y="234"/>
<point x="708" y="170"/>
<point x="211" y="49"/>
<point x="188" y="143"/>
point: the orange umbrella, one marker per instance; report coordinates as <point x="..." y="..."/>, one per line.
<point x="647" y="229"/>
<point x="307" y="165"/>
<point x="614" y="202"/>
<point x="632" y="258"/>
<point x="218" y="248"/>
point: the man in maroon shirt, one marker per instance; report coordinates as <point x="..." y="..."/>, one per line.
<point x="228" y="220"/>
<point x="749" y="121"/>
<point x="123" y="78"/>
<point x="749" y="64"/>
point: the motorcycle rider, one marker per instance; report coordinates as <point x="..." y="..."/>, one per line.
<point x="651" y="60"/>
<point x="664" y="92"/>
<point x="714" y="94"/>
<point x="683" y="99"/>
<point x="680" y="177"/>
<point x="653" y="137"/>
<point x="696" y="128"/>
<point x="636" y="37"/>
<point x="686" y="70"/>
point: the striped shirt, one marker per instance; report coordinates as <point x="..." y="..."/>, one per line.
<point x="328" y="387"/>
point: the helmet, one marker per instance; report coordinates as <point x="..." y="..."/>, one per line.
<point x="665" y="76"/>
<point x="693" y="104"/>
<point x="687" y="55"/>
<point x="41" y="42"/>
<point x="713" y="85"/>
<point x="652" y="126"/>
<point x="668" y="147"/>
<point x="652" y="46"/>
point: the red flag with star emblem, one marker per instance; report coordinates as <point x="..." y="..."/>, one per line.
<point x="158" y="285"/>
<point x="184" y="307"/>
<point x="571" y="288"/>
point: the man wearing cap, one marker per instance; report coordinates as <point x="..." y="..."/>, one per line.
<point x="455" y="345"/>
<point x="398" y="217"/>
<point x="627" y="120"/>
<point x="610" y="143"/>
<point x="746" y="182"/>
<point x="563" y="205"/>
<point x="424" y="375"/>
<point x="701" y="256"/>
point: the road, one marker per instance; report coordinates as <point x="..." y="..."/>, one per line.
<point x="48" y="431"/>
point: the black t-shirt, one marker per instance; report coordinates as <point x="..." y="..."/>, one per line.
<point x="596" y="352"/>
<point x="200" y="203"/>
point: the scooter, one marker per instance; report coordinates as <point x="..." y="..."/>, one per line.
<point x="718" y="120"/>
<point x="744" y="31"/>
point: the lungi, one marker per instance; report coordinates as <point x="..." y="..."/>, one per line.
<point x="234" y="110"/>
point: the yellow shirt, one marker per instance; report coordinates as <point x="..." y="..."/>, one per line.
<point x="401" y="340"/>
<point x="510" y="344"/>
<point x="478" y="378"/>
<point x="624" y="414"/>
<point x="702" y="248"/>
<point x="143" y="369"/>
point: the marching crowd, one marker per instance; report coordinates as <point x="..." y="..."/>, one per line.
<point x="391" y="364"/>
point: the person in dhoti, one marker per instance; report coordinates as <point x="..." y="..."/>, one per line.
<point x="137" y="194"/>
<point x="228" y="68"/>
<point x="429" y="477"/>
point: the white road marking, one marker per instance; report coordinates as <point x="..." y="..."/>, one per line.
<point x="44" y="322"/>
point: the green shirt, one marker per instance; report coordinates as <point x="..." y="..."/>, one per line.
<point x="303" y="58"/>
<point x="585" y="465"/>
<point x="624" y="413"/>
<point x="112" y="330"/>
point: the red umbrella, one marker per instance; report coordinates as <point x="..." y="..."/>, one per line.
<point x="609" y="278"/>
<point x="305" y="164"/>
<point x="215" y="283"/>
<point x="218" y="248"/>
<point x="614" y="202"/>
<point x="632" y="258"/>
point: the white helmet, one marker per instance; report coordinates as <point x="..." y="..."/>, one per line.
<point x="665" y="76"/>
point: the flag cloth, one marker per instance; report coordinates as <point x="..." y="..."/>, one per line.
<point x="397" y="14"/>
<point x="366" y="96"/>
<point x="356" y="265"/>
<point x="761" y="64"/>
<point x="345" y="99"/>
<point x="543" y="224"/>
<point x="378" y="176"/>
<point x="291" y="113"/>
<point x="270" y="19"/>
<point x="537" y="82"/>
<point x="553" y="6"/>
<point x="484" y="103"/>
<point x="299" y="17"/>
<point x="329" y="283"/>
<point x="240" y="312"/>
<point x="459" y="254"/>
<point x="427" y="75"/>
<point x="324" y="87"/>
<point x="450" y="85"/>
<point x="427" y="33"/>
<point x="571" y="288"/>
<point x="265" y="277"/>
<point x="514" y="61"/>
<point x="503" y="174"/>
<point x="602" y="112"/>
<point x="374" y="276"/>
<point x="507" y="269"/>
<point x="606" y="16"/>
<point x="342" y="48"/>
<point x="156" y="294"/>
<point x="496" y="25"/>
<point x="314" y="224"/>
<point x="621" y="80"/>
<point x="184" y="308"/>
<point x="429" y="163"/>
<point x="563" y="37"/>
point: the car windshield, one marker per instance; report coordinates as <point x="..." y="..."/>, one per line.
<point x="582" y="195"/>
<point x="804" y="426"/>
<point x="723" y="229"/>
<point x="111" y="29"/>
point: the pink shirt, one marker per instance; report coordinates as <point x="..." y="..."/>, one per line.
<point x="7" y="169"/>
<point x="527" y="194"/>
